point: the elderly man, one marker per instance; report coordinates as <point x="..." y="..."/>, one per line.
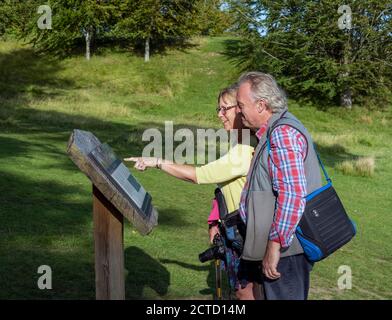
<point x="273" y="199"/>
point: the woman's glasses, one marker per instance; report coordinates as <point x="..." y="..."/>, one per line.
<point x="224" y="109"/>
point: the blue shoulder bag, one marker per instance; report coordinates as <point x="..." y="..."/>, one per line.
<point x="324" y="226"/>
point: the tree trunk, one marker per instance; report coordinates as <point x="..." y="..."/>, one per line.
<point x="346" y="95"/>
<point x="147" y="50"/>
<point x="88" y="36"/>
<point x="346" y="98"/>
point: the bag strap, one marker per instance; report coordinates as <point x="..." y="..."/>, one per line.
<point x="314" y="146"/>
<point x="322" y="165"/>
<point x="222" y="208"/>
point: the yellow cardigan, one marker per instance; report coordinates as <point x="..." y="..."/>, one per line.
<point x="229" y="172"/>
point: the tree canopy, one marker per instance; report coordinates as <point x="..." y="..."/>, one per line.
<point x="157" y="20"/>
<point x="300" y="42"/>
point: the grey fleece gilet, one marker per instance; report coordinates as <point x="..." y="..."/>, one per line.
<point x="261" y="200"/>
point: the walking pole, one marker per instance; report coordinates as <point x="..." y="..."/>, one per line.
<point x="218" y="280"/>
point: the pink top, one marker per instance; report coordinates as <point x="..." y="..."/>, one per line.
<point x="214" y="213"/>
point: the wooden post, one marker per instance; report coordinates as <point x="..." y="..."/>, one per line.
<point x="109" y="249"/>
<point x="111" y="203"/>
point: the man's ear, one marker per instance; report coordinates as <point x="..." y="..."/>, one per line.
<point x="261" y="106"/>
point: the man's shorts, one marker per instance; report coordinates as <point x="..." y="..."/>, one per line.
<point x="250" y="271"/>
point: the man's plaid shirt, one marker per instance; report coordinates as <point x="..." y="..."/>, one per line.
<point x="286" y="169"/>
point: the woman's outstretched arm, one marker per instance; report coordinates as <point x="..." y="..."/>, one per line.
<point x="180" y="171"/>
<point x="232" y="165"/>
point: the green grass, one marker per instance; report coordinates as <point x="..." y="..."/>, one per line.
<point x="45" y="201"/>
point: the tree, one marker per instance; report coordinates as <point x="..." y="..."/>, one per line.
<point x="72" y="21"/>
<point x="314" y="52"/>
<point x="6" y="14"/>
<point x="213" y="18"/>
<point x="156" y="21"/>
<point x="15" y="15"/>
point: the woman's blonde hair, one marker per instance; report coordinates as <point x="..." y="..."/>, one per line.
<point x="230" y="92"/>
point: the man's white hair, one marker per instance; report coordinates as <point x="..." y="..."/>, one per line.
<point x="264" y="87"/>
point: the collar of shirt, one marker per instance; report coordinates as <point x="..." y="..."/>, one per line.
<point x="260" y="132"/>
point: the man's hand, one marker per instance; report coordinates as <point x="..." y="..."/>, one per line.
<point x="271" y="260"/>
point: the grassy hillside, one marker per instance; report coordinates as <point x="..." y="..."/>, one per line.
<point x="45" y="201"/>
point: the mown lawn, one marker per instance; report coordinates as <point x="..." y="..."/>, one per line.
<point x="45" y="202"/>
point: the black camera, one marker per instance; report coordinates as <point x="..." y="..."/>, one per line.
<point x="215" y="252"/>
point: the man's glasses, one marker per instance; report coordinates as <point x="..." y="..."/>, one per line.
<point x="224" y="109"/>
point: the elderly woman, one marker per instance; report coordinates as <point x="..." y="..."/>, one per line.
<point x="229" y="172"/>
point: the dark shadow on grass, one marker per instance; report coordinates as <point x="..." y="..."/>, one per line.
<point x="186" y="265"/>
<point x="136" y="48"/>
<point x="144" y="271"/>
<point x="41" y="208"/>
<point x="12" y="147"/>
<point x="24" y="73"/>
<point x="72" y="273"/>
<point x="332" y="155"/>
<point x="172" y="218"/>
<point x="26" y="76"/>
<point x="208" y="266"/>
<point x="17" y="118"/>
<point x="101" y="44"/>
